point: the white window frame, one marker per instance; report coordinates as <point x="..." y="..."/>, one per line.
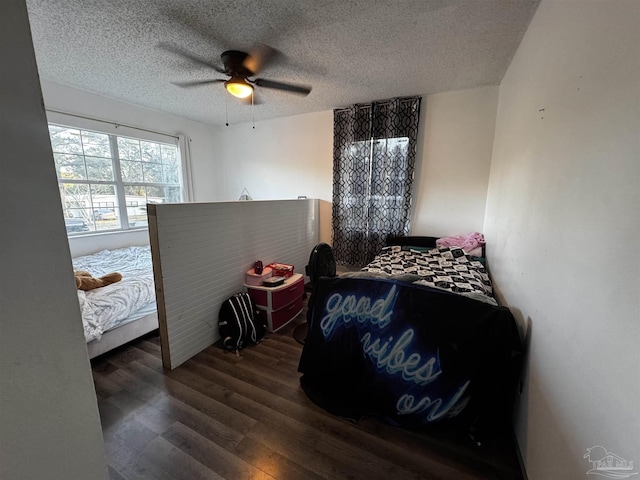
<point x="114" y="129"/>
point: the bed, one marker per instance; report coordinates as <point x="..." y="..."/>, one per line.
<point x="415" y="339"/>
<point x="125" y="310"/>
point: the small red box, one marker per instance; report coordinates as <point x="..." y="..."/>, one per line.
<point x="281" y="269"/>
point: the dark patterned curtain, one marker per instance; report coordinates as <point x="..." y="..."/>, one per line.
<point x="374" y="151"/>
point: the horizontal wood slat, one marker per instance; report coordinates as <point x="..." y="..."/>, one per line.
<point x="201" y="252"/>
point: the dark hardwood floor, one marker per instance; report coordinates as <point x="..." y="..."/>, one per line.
<point x="219" y="416"/>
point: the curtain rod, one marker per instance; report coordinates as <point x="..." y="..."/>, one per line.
<point x="115" y="124"/>
<point x="382" y="102"/>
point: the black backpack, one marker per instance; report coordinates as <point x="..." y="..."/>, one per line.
<point x="239" y="323"/>
<point x="321" y="263"/>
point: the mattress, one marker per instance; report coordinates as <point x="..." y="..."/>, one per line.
<point x="133" y="297"/>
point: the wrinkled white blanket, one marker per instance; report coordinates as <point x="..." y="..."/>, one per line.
<point x="107" y="307"/>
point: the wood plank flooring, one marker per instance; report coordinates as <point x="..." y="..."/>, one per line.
<point x="219" y="416"/>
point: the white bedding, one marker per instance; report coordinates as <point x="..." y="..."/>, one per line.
<point x="107" y="307"/>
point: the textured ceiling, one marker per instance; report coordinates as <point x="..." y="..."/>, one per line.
<point x="349" y="51"/>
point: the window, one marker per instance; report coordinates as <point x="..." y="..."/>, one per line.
<point x="374" y="149"/>
<point x="383" y="186"/>
<point x="106" y="180"/>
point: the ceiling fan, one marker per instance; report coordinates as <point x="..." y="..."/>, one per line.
<point x="241" y="68"/>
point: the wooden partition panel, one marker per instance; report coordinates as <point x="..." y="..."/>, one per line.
<point x="201" y="252"/>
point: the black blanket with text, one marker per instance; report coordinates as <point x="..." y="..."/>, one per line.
<point x="410" y="354"/>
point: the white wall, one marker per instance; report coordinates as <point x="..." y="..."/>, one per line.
<point x="454" y="161"/>
<point x="281" y="159"/>
<point x="293" y="156"/>
<point x="287" y="157"/>
<point x="562" y="225"/>
<point x="207" y="179"/>
<point x="49" y="422"/>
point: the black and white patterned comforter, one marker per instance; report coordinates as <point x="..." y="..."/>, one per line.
<point x="445" y="268"/>
<point x="108" y="307"/>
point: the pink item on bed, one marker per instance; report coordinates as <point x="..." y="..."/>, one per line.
<point x="466" y="242"/>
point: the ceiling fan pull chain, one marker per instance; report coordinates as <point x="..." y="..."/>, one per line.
<point x="253" y="112"/>
<point x="226" y="111"/>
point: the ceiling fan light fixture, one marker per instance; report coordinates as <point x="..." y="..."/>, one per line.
<point x="238" y="87"/>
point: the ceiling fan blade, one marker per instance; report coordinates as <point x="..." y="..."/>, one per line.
<point x="196" y="83"/>
<point x="196" y="23"/>
<point x="175" y="49"/>
<point x="287" y="87"/>
<point x="259" y="57"/>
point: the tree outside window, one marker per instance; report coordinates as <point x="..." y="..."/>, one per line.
<point x="106" y="181"/>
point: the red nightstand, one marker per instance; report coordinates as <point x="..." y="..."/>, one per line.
<point x="280" y="304"/>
